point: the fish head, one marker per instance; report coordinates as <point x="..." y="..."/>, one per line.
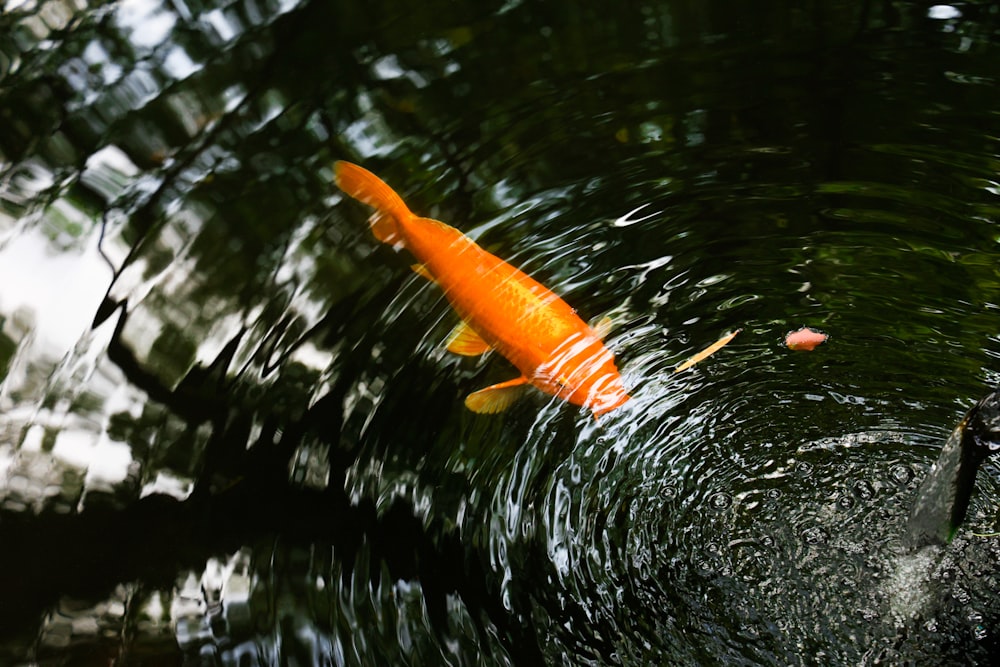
<point x="609" y="396"/>
<point x="584" y="374"/>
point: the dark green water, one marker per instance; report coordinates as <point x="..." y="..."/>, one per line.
<point x="229" y="433"/>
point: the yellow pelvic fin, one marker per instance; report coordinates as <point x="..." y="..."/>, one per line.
<point x="463" y="340"/>
<point x="496" y="398"/>
<point x="422" y="271"/>
<point x="708" y="351"/>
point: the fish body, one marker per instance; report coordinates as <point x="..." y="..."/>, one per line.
<point x="501" y="307"/>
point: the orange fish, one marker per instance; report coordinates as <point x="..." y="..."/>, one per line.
<point x="501" y="308"/>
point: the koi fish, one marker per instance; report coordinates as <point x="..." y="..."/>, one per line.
<point x="501" y="308"/>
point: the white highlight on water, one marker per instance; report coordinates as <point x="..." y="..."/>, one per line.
<point x="943" y="12"/>
<point x="908" y="588"/>
<point x="627" y="219"/>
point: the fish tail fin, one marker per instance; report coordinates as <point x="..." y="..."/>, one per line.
<point x="366" y="187"/>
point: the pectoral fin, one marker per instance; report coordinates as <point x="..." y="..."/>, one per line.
<point x="465" y="341"/>
<point x="496" y="398"/>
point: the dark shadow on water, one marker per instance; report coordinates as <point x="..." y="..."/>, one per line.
<point x="157" y="536"/>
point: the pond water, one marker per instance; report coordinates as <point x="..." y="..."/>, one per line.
<point x="229" y="431"/>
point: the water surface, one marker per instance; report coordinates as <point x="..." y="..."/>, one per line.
<point x="229" y="432"/>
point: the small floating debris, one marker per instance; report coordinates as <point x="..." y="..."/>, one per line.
<point x="805" y="339"/>
<point x="708" y="351"/>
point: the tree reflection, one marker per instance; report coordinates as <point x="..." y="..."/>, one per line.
<point x="227" y="282"/>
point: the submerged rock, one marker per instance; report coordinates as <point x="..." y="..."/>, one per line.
<point x="943" y="497"/>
